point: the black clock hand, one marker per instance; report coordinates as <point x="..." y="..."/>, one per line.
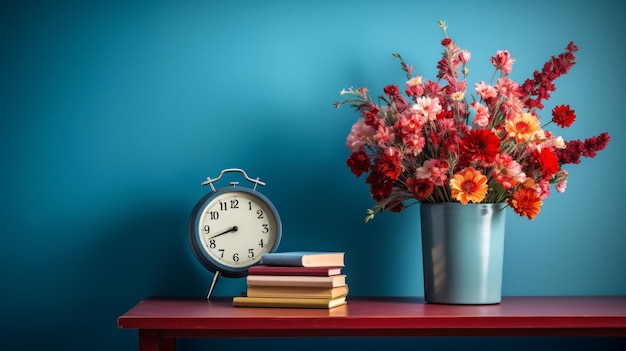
<point x="233" y="229"/>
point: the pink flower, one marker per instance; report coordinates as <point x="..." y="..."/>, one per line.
<point x="382" y="136"/>
<point x="427" y="108"/>
<point x="508" y="172"/>
<point x="482" y="114"/>
<point x="464" y="56"/>
<point x="358" y="136"/>
<point x="408" y="124"/>
<point x="432" y="89"/>
<point x="414" y="144"/>
<point x="509" y="88"/>
<point x="503" y="61"/>
<point x="560" y="186"/>
<point x="409" y="129"/>
<point x="435" y="171"/>
<point x="544" y="187"/>
<point x="485" y="91"/>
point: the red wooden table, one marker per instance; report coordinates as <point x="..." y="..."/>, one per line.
<point x="161" y="321"/>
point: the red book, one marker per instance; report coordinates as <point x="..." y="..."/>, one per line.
<point x="287" y="270"/>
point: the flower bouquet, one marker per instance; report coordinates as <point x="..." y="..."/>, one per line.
<point x="436" y="144"/>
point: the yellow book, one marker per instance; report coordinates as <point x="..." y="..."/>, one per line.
<point x="295" y="292"/>
<point x="247" y="301"/>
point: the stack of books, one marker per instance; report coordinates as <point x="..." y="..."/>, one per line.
<point x="296" y="280"/>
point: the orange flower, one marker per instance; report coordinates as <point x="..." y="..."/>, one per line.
<point x="469" y="185"/>
<point x="522" y="126"/>
<point x="526" y="202"/>
<point x="529" y="183"/>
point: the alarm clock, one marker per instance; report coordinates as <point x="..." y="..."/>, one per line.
<point x="230" y="228"/>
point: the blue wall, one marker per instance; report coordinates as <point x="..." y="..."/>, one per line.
<point x="113" y="112"/>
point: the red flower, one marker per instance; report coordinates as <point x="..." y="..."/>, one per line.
<point x="414" y="90"/>
<point x="563" y="116"/>
<point x="445" y="114"/>
<point x="446" y="41"/>
<point x="541" y="85"/>
<point x="480" y="145"/>
<point x="547" y="161"/>
<point x="391" y="90"/>
<point x="380" y="186"/>
<point x="420" y="188"/>
<point x="595" y="144"/>
<point x="389" y="166"/>
<point x="359" y="163"/>
<point x="396" y="98"/>
<point x="398" y="207"/>
<point x="445" y="71"/>
<point x="575" y="149"/>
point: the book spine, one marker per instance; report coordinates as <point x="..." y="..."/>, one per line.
<point x="296" y="281"/>
<point x="284" y="292"/>
<point x="301" y="271"/>
<point x="283" y="260"/>
<point x="239" y="301"/>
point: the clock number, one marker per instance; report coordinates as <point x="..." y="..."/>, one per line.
<point x="261" y="244"/>
<point x="235" y="257"/>
<point x="212" y="243"/>
<point x="207" y="229"/>
<point x="250" y="205"/>
<point x="250" y="253"/>
<point x="214" y="215"/>
<point x="265" y="228"/>
<point x="221" y="253"/>
<point x="259" y="214"/>
<point x="233" y="204"/>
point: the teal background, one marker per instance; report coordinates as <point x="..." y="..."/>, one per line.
<point x="114" y="112"/>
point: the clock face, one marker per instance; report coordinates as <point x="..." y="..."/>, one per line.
<point x="233" y="228"/>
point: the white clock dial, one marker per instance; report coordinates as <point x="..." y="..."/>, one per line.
<point x="236" y="228"/>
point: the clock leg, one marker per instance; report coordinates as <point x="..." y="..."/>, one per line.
<point x="215" y="278"/>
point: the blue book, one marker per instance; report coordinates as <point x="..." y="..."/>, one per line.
<point x="304" y="259"/>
